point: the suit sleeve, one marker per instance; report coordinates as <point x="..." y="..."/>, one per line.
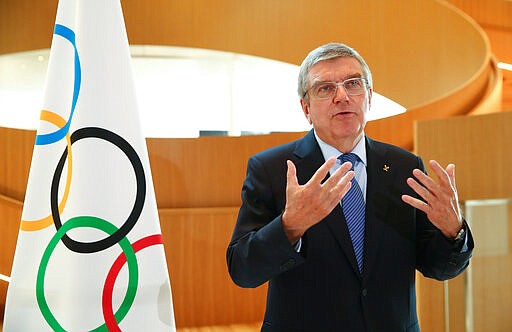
<point x="439" y="257"/>
<point x="259" y="249"/>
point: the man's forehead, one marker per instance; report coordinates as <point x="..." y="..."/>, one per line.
<point x="339" y="67"/>
<point x="334" y="76"/>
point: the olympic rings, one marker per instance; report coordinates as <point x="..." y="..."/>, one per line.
<point x="90" y="247"/>
<point x="93" y="222"/>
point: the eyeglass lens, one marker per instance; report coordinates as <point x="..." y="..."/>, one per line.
<point x="352" y="86"/>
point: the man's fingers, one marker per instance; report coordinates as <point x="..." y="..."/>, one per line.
<point x="339" y="174"/>
<point x="450" y="169"/>
<point x="322" y="171"/>
<point x="345" y="183"/>
<point x="419" y="189"/>
<point x="441" y="173"/>
<point x="291" y="174"/>
<point x="425" y="180"/>
<point x="335" y="190"/>
<point x="416" y="203"/>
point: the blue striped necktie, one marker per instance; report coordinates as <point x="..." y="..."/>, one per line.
<point x="354" y="211"/>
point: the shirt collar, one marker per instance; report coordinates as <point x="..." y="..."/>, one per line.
<point x="329" y="151"/>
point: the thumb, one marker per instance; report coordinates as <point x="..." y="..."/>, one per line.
<point x="291" y="175"/>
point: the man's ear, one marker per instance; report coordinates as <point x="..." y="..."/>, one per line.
<point x="305" y="108"/>
<point x="370" y="94"/>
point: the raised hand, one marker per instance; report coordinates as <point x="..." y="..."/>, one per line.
<point x="440" y="200"/>
<point x="308" y="204"/>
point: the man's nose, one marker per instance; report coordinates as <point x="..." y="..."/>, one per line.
<point x="340" y="94"/>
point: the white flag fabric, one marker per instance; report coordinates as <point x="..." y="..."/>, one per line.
<point x="89" y="255"/>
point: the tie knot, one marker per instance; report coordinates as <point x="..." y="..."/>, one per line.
<point x="352" y="157"/>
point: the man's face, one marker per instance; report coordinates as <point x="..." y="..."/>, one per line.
<point x="340" y="120"/>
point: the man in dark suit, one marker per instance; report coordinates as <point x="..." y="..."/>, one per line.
<point x="295" y="227"/>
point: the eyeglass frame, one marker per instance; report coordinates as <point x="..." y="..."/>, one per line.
<point x="363" y="79"/>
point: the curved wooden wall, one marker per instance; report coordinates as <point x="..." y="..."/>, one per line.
<point x="426" y="55"/>
<point x="418" y="50"/>
<point x="495" y="17"/>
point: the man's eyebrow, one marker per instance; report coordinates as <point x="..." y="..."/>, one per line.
<point x="355" y="75"/>
<point x="346" y="77"/>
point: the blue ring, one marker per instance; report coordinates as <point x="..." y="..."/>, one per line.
<point x="44" y="139"/>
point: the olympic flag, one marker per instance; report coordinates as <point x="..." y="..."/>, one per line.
<point x="89" y="254"/>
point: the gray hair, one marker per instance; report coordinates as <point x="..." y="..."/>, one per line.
<point x="327" y="52"/>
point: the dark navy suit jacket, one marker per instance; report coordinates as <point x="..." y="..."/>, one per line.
<point x="320" y="288"/>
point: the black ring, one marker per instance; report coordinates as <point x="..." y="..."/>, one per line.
<point x="121" y="143"/>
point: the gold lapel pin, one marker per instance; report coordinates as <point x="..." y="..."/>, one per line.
<point x="385" y="168"/>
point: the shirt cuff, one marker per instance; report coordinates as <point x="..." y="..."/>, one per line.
<point x="465" y="245"/>
<point x="299" y="244"/>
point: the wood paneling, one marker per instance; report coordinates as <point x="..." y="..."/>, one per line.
<point x="480" y="148"/>
<point x="195" y="172"/>
<point x="481" y="95"/>
<point x="205" y="171"/>
<point x="26" y="25"/>
<point x="10" y="212"/>
<point x="16" y="150"/>
<point x="430" y="303"/>
<point x="195" y="242"/>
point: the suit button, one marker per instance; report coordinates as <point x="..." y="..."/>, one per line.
<point x="287" y="265"/>
<point x="364" y="292"/>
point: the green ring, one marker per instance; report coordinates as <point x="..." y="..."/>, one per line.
<point x="107" y="227"/>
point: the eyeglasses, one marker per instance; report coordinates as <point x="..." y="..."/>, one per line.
<point x="326" y="90"/>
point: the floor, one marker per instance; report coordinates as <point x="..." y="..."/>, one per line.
<point x="227" y="328"/>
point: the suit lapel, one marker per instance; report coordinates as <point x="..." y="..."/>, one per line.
<point x="381" y="174"/>
<point x="309" y="159"/>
